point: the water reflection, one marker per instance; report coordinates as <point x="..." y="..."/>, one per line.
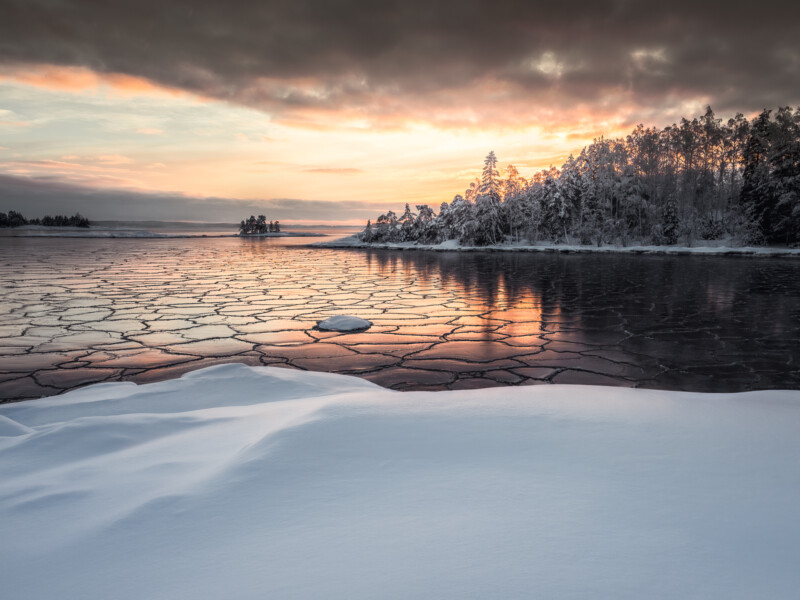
<point x="81" y="311"/>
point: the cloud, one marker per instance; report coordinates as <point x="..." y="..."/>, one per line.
<point x="8" y="119"/>
<point x="79" y="78"/>
<point x="149" y="131"/>
<point x="113" y="159"/>
<point x="451" y="62"/>
<point x="37" y="196"/>
<point x="104" y="170"/>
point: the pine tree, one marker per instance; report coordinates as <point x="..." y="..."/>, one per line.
<point x="490" y="178"/>
<point x="755" y="197"/>
<point x="784" y="161"/>
<point x="424" y="226"/>
<point x="407" y="222"/>
<point x="669" y="224"/>
<point x="16" y="219"/>
<point x="464" y="224"/>
<point x="488" y="219"/>
<point x="444" y="224"/>
<point x="513" y="184"/>
<point x="367" y="234"/>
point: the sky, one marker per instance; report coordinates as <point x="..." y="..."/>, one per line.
<point x="335" y="111"/>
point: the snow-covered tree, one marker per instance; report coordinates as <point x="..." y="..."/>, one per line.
<point x="407" y="223"/>
<point x="465" y="226"/>
<point x="425" y="225"/>
<point x="513" y="184"/>
<point x="490" y="177"/>
<point x="471" y="193"/>
<point x="488" y="220"/>
<point x="701" y="177"/>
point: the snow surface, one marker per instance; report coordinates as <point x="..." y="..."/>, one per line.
<point x="344" y="323"/>
<point x="249" y="483"/>
<point x="703" y="248"/>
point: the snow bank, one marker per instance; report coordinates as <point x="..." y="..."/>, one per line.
<point x="453" y="245"/>
<point x="236" y="482"/>
<point x="343" y="323"/>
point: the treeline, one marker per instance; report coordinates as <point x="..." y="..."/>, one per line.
<point x="701" y="179"/>
<point x="15" y="219"/>
<point x="255" y="225"/>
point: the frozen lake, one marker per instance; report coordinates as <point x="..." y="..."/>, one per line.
<point x="79" y="311"/>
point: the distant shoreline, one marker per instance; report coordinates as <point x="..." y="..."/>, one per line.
<point x="38" y="231"/>
<point x="280" y="234"/>
<point x="452" y="246"/>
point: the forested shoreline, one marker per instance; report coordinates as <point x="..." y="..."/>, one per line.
<point x="15" y="219"/>
<point x="698" y="180"/>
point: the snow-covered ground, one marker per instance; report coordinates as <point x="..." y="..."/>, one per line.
<point x="236" y="482"/>
<point x="702" y="247"/>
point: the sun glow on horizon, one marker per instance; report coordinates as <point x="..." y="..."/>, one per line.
<point x="113" y="131"/>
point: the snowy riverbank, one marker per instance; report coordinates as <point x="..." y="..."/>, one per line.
<point x="703" y="248"/>
<point x="237" y="482"/>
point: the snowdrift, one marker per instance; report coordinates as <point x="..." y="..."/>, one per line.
<point x="237" y="482"/>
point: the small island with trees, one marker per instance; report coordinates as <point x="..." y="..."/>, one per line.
<point x="258" y="226"/>
<point x="702" y="182"/>
<point x="14" y="219"/>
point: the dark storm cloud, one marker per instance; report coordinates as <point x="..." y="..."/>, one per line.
<point x="35" y="197"/>
<point x="290" y="54"/>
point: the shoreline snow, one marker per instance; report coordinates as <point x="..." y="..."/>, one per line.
<point x="257" y="482"/>
<point x="454" y="246"/>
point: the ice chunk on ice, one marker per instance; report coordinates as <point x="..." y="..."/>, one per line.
<point x="344" y="323"/>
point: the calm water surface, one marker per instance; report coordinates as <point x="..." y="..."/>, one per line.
<point x="79" y="311"/>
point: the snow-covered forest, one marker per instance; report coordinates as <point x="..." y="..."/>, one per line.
<point x="700" y="180"/>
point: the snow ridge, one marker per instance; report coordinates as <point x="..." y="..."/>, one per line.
<point x="256" y="482"/>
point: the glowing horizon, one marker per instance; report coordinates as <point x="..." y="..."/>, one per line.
<point x="134" y="147"/>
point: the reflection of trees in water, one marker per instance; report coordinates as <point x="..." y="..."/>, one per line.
<point x="481" y="277"/>
<point x="650" y="292"/>
<point x="724" y="297"/>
